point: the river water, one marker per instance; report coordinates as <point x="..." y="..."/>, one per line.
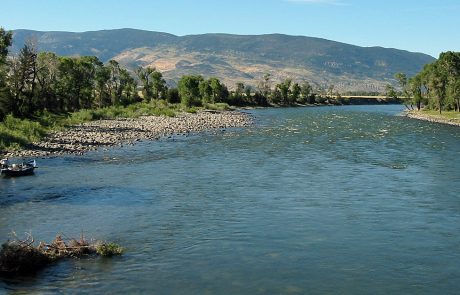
<point x="342" y="200"/>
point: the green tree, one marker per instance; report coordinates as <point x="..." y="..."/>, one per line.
<point x="264" y="86"/>
<point x="172" y="95"/>
<point x="159" y="87"/>
<point x="23" y="80"/>
<point x="189" y="89"/>
<point x="284" y="90"/>
<point x="144" y="77"/>
<point x="153" y="84"/>
<point x="405" y="87"/>
<point x="5" y="99"/>
<point x="390" y="91"/>
<point x="206" y="92"/>
<point x="239" y="89"/>
<point x="247" y="93"/>
<point x="6" y="39"/>
<point x="217" y="88"/>
<point x="114" y="84"/>
<point x="103" y="91"/>
<point x="47" y="78"/>
<point x="306" y="93"/>
<point x="415" y="87"/>
<point x="77" y="79"/>
<point x="454" y="92"/>
<point x="295" y="92"/>
<point x="450" y="62"/>
<point x="237" y="96"/>
<point x="438" y="80"/>
<point x="128" y="86"/>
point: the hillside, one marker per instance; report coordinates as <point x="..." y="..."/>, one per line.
<point x="234" y="58"/>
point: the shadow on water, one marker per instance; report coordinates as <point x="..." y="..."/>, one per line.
<point x="70" y="195"/>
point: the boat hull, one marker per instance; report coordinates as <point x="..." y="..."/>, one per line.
<point x="15" y="173"/>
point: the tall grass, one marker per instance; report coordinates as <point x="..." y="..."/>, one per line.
<point x="16" y="133"/>
<point x="447" y="115"/>
<point x="154" y="108"/>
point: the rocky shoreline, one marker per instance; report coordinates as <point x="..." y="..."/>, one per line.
<point x="434" y="119"/>
<point x="109" y="133"/>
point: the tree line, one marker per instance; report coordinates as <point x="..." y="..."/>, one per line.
<point x="33" y="82"/>
<point x="435" y="87"/>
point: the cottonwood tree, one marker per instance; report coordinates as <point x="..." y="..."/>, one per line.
<point x="77" y="80"/>
<point x="159" y="87"/>
<point x="47" y="79"/>
<point x="390" y="91"/>
<point x="153" y="84"/>
<point x="23" y="80"/>
<point x="5" y="42"/>
<point x="128" y="85"/>
<point x="206" y="91"/>
<point x="144" y="77"/>
<point x="283" y="90"/>
<point x="306" y="93"/>
<point x="405" y="88"/>
<point x="450" y="62"/>
<point x="264" y="86"/>
<point x="103" y="92"/>
<point x="438" y="80"/>
<point x="415" y="86"/>
<point x="219" y="91"/>
<point x="189" y="90"/>
<point x="295" y="92"/>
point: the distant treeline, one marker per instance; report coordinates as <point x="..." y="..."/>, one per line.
<point x="32" y="83"/>
<point x="437" y="86"/>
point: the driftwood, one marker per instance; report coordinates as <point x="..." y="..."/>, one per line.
<point x="23" y="257"/>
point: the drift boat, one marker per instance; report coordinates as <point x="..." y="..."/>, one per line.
<point x="13" y="170"/>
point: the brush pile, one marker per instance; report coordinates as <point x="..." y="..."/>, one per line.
<point x="18" y="257"/>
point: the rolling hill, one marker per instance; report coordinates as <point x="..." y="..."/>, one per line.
<point x="237" y="58"/>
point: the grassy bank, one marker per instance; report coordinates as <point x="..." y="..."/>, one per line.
<point x="447" y="117"/>
<point x="18" y="133"/>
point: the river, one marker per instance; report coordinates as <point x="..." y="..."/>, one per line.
<point x="343" y="200"/>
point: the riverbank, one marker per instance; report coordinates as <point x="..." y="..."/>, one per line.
<point x="450" y="118"/>
<point x="81" y="138"/>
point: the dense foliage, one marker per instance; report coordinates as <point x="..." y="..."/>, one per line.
<point x="437" y="86"/>
<point x="36" y="83"/>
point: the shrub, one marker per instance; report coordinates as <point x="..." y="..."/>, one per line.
<point x="108" y="250"/>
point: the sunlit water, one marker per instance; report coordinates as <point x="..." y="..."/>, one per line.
<point x="343" y="200"/>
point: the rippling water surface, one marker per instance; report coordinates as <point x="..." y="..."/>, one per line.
<point x="343" y="200"/>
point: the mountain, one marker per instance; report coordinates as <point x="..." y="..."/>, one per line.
<point x="237" y="58"/>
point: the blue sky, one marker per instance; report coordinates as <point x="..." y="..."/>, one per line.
<point x="428" y="26"/>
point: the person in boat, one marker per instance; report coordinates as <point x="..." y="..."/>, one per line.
<point x="4" y="163"/>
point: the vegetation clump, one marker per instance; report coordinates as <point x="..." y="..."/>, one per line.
<point x="436" y="87"/>
<point x="19" y="257"/>
<point x="109" y="249"/>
